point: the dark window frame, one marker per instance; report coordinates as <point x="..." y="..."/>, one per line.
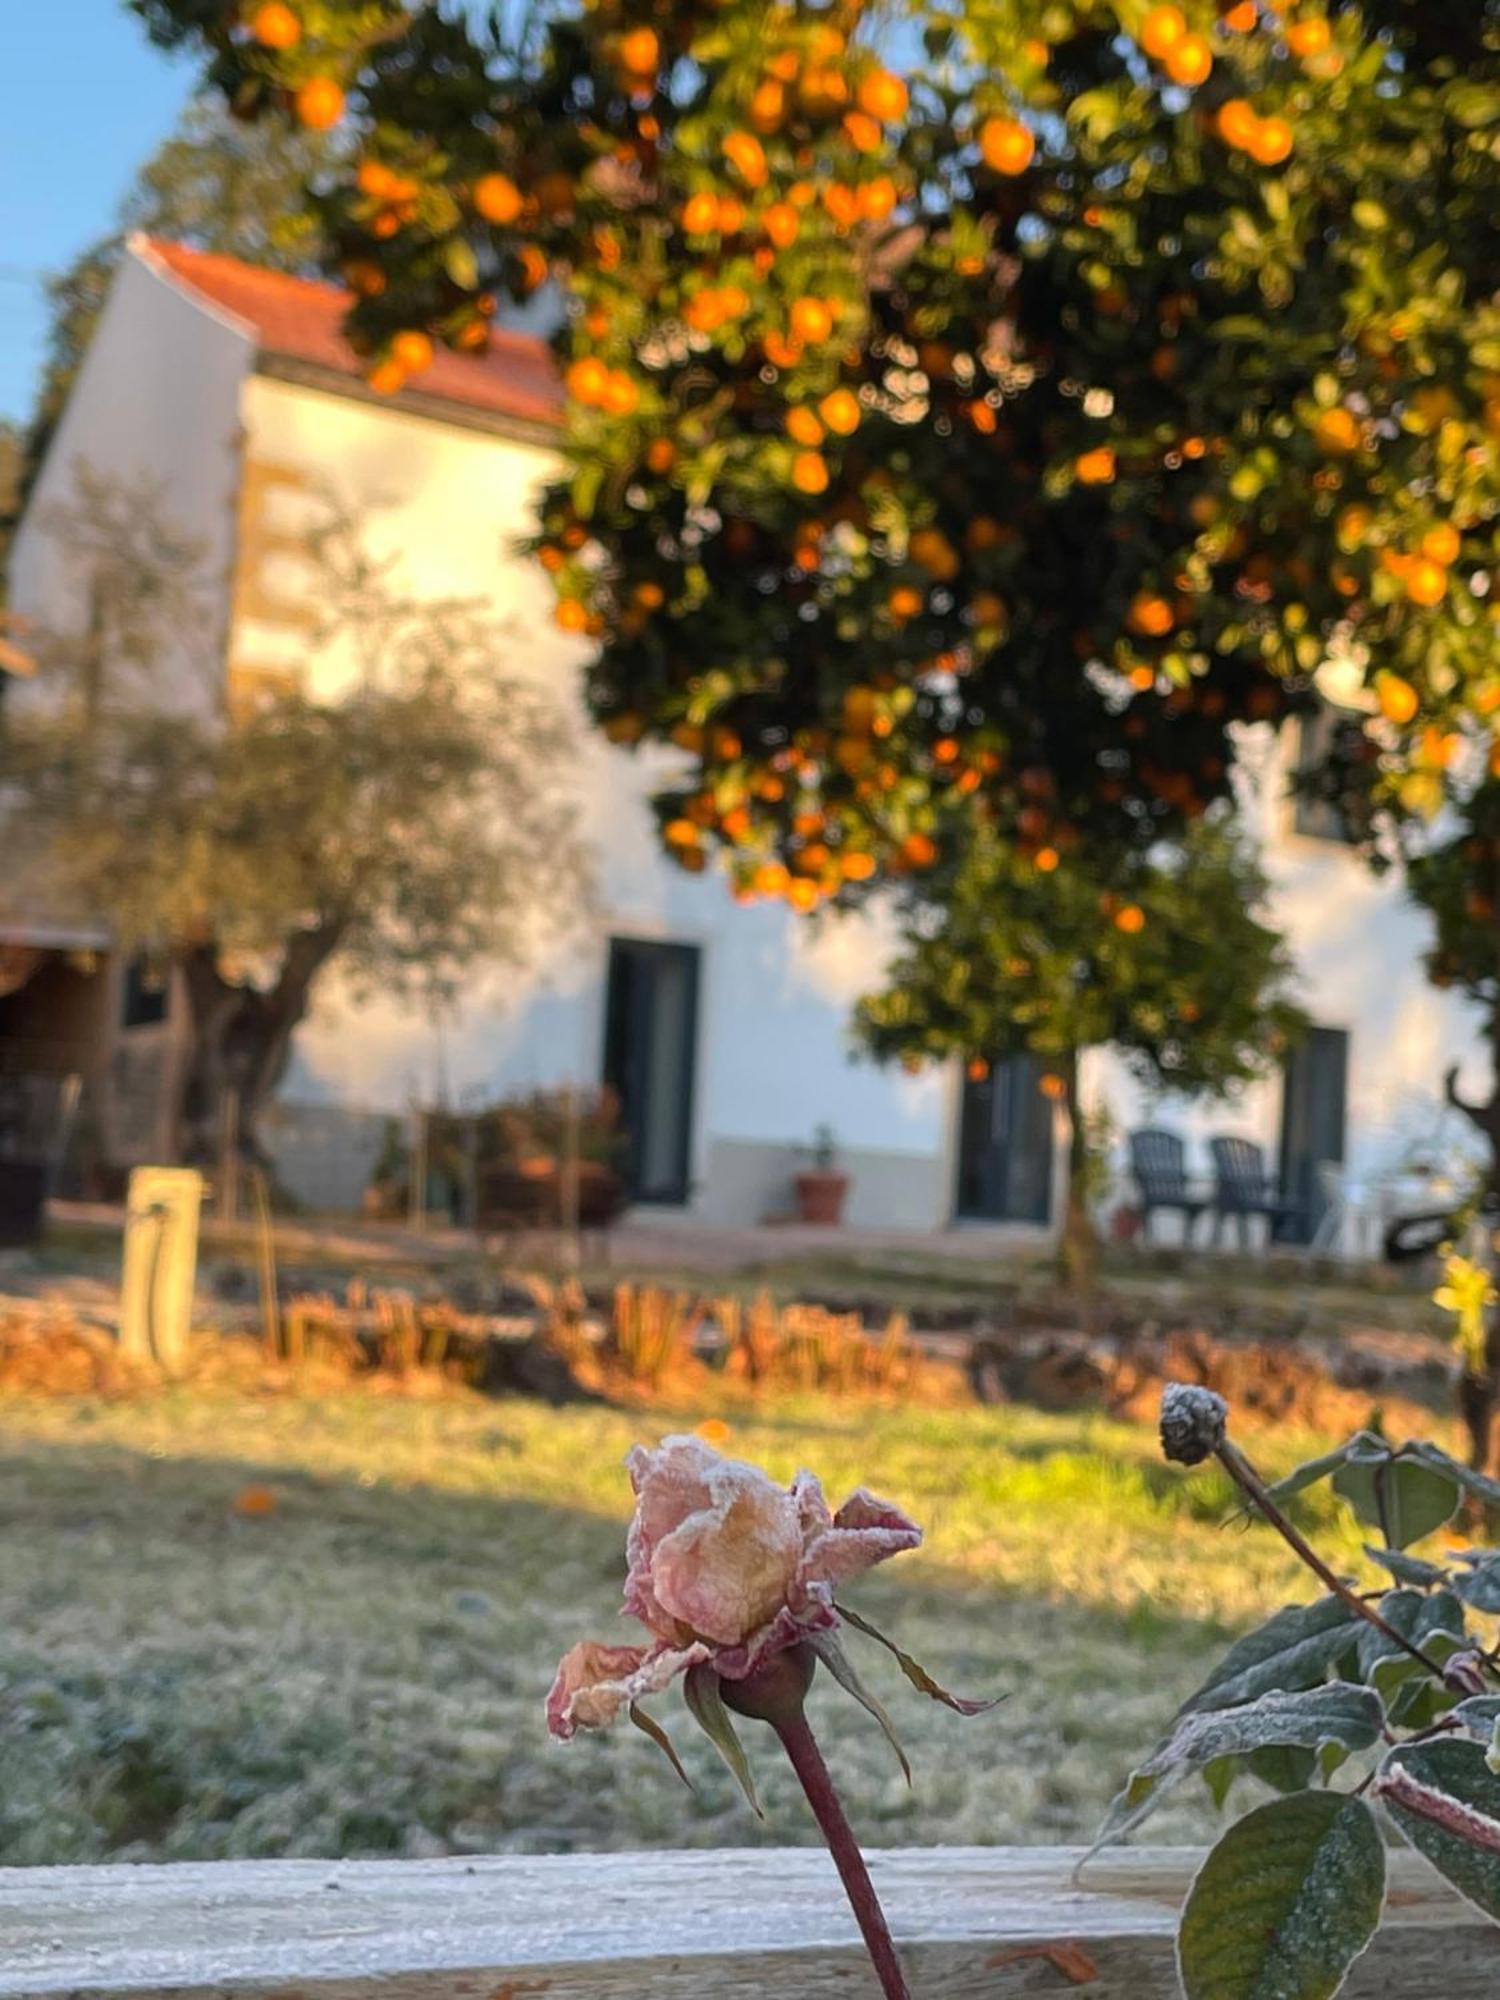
<point x="617" y="1061"/>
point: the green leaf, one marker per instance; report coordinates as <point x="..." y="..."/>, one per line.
<point x="914" y="1671"/>
<point x="1408" y="1569"/>
<point x="1402" y="1497"/>
<point x="1478" y="1484"/>
<point x="1446" y="1800"/>
<point x="700" y="1689"/>
<point x="1339" y="1713"/>
<point x="649" y="1726"/>
<point x="1285" y="1903"/>
<point x="1293" y="1650"/>
<point x="831" y="1653"/>
<point x="1479" y="1715"/>
<point x="1298" y="1480"/>
<point x="1478" y="1580"/>
<point x="461" y="264"/>
<point x="1435" y="1623"/>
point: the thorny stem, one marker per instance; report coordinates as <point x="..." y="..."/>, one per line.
<point x="807" y="1761"/>
<point x="1253" y="1487"/>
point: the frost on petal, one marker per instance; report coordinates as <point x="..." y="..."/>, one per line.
<point x="865" y="1531"/>
<point x="787" y="1628"/>
<point x="594" y="1681"/>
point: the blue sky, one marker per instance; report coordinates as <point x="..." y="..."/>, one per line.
<point x="84" y="99"/>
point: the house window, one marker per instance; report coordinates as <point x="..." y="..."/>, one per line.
<point x="143" y="1001"/>
<point x="1316" y="813"/>
<point x="650" y="1061"/>
<point x="1005" y="1145"/>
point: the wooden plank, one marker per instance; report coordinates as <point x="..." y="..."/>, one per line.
<point x="750" y="1924"/>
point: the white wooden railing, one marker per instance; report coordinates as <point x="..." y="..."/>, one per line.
<point x="749" y="1924"/>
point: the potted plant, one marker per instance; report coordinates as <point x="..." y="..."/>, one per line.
<point x="821" y="1188"/>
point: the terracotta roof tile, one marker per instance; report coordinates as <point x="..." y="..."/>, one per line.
<point x="299" y="320"/>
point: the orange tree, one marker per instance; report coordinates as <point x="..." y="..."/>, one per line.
<point x="1161" y="956"/>
<point x="970" y="417"/>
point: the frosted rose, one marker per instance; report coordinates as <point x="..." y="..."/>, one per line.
<point x="727" y="1569"/>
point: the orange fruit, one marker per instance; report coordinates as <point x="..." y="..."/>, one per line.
<point x="1130" y="918"/>
<point x="802" y="893"/>
<point x="649" y="595"/>
<point x="931" y="548"/>
<point x="387" y="377"/>
<point x="1161" y="30"/>
<point x="747" y="156"/>
<point x="622" y="395"/>
<point x="497" y="198"/>
<point x="781" y="352"/>
<point x="319" y="104"/>
<point x="987" y="608"/>
<point x="1241" y="19"/>
<point x="842" y="204"/>
<point x="275" y="26"/>
<point x="1051" y="1085"/>
<point x="976" y="1069"/>
<point x="770" y="879"/>
<point x="1096" y="467"/>
<point x="803" y="428"/>
<point x="730" y="215"/>
<point x="905" y="601"/>
<point x="1441" y="544"/>
<point x="412" y="350"/>
<point x="700" y="213"/>
<point x="1190" y="60"/>
<point x="1426" y="582"/>
<point x="883" y="96"/>
<point x="810" y="472"/>
<point x="1238" y="123"/>
<point x="364" y="275"/>
<point x="878" y="198"/>
<point x="587" y="380"/>
<point x="1272" y="142"/>
<point x="1310" y="37"/>
<point x="768" y="105"/>
<point x="571" y="614"/>
<point x="811" y="320"/>
<point x="640" y="52"/>
<point x="840" y="412"/>
<point x="1398" y="699"/>
<point x="1149" y="615"/>
<point x="661" y="455"/>
<point x="822" y="90"/>
<point x="1337" y="430"/>
<point x="857" y="866"/>
<point x="863" y="131"/>
<point x="1007" y="145"/>
<point x="782" y="224"/>
<point x="919" y="850"/>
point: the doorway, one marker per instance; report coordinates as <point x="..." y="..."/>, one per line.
<point x="650" y="1061"/>
<point x="1005" y="1145"/>
<point x="1314" y="1114"/>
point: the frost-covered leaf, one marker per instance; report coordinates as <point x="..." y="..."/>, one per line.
<point x="1303" y="1476"/>
<point x="1292" y="1650"/>
<point x="1478" y="1581"/>
<point x="700" y="1689"/>
<point x="1446" y="1800"/>
<point x="649" y="1726"/>
<point x="1408" y="1569"/>
<point x="1479" y="1715"/>
<point x="1401" y="1496"/>
<point x="1478" y="1484"/>
<point x="1285" y="1902"/>
<point x="1339" y="1716"/>
<point x="831" y="1653"/>
<point x="914" y="1671"/>
<point x="1434" y="1622"/>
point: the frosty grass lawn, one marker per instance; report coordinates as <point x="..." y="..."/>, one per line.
<point x="361" y="1670"/>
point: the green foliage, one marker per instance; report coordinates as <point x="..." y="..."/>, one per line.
<point x="1214" y="340"/>
<point x="1401" y="1680"/>
<point x="1161" y="955"/>
<point x="1285" y="1903"/>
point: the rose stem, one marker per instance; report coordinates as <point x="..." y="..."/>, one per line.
<point x="807" y="1761"/>
<point x="1250" y="1483"/>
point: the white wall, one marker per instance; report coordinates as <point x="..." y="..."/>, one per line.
<point x="447" y="505"/>
<point x="157" y="401"/>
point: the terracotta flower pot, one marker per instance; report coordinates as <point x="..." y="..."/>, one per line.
<point x="820" y="1196"/>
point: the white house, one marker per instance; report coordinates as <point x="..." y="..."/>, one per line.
<point x="723" y="1025"/>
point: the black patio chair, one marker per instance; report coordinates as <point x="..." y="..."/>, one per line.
<point x="1158" y="1160"/>
<point x="1243" y="1188"/>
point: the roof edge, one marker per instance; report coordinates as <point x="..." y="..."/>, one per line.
<point x="143" y="249"/>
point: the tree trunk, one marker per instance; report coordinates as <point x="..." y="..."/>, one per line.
<point x="1479" y="1394"/>
<point x="239" y="1040"/>
<point x="1078" y="1245"/>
